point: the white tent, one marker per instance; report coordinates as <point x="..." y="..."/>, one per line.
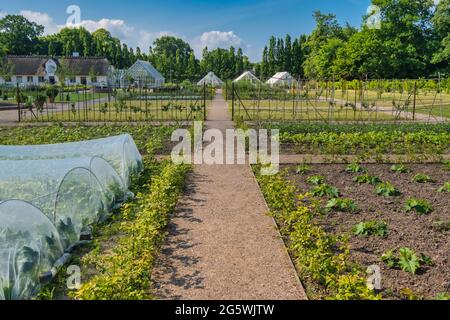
<point x="211" y="79"/>
<point x="143" y="73"/>
<point x="281" y="79"/>
<point x="247" y="76"/>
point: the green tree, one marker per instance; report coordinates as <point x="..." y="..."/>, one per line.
<point x="18" y="35"/>
<point x="441" y="24"/>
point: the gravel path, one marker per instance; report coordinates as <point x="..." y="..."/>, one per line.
<point x="221" y="243"/>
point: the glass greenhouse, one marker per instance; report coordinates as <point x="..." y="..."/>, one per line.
<point x="50" y="195"/>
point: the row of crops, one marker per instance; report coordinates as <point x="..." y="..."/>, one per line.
<point x="50" y="198"/>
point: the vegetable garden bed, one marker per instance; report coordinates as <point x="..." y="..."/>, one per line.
<point x="379" y="227"/>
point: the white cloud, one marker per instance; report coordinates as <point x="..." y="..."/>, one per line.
<point x="42" y="19"/>
<point x="214" y="40"/>
<point x="134" y="37"/>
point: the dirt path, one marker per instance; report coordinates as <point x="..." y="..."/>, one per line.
<point x="221" y="243"/>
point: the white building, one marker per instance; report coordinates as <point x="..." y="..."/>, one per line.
<point x="211" y="79"/>
<point x="247" y="76"/>
<point x="281" y="79"/>
<point x="37" y="70"/>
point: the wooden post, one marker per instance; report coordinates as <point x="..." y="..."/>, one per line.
<point x="232" y="101"/>
<point x="18" y="102"/>
<point x="414" y="102"/>
<point x="204" y="101"/>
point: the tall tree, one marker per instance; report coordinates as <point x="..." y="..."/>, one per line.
<point x="18" y="35"/>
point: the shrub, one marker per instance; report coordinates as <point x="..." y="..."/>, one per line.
<point x="52" y="92"/>
<point x="386" y="189"/>
<point x="369" y="228"/>
<point x="419" y="205"/>
<point x="401" y="168"/>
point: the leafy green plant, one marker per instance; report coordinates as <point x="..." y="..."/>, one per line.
<point x="420" y="206"/>
<point x="446" y="164"/>
<point x="354" y="168"/>
<point x="368" y="179"/>
<point x="303" y="169"/>
<point x="401" y="168"/>
<point x="325" y="190"/>
<point x="443" y="296"/>
<point x="445" y="187"/>
<point x="342" y="204"/>
<point x="368" y="228"/>
<point x="316" y="180"/>
<point x="406" y="259"/>
<point x="422" y="178"/>
<point x="441" y="225"/>
<point x="386" y="189"/>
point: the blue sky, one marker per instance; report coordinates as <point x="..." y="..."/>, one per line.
<point x="244" y="23"/>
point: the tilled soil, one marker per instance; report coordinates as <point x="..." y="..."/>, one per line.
<point x="412" y="230"/>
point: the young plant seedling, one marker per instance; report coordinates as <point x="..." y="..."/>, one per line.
<point x="441" y="225"/>
<point x="422" y="178"/>
<point x="407" y="260"/>
<point x="323" y="190"/>
<point x="303" y="169"/>
<point x="400" y="168"/>
<point x="446" y="164"/>
<point x="386" y="189"/>
<point x="418" y="205"/>
<point x="367" y="178"/>
<point x="354" y="168"/>
<point x="316" y="180"/>
<point x="369" y="228"/>
<point x="445" y="188"/>
<point x="342" y="205"/>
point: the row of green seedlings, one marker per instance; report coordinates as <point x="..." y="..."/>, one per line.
<point x="406" y="259"/>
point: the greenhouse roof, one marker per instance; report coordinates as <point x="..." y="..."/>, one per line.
<point x="210" y="79"/>
<point x="144" y="69"/>
<point x="247" y="76"/>
<point x="281" y="77"/>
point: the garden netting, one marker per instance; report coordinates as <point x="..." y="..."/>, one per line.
<point x="50" y="195"/>
<point x="119" y="151"/>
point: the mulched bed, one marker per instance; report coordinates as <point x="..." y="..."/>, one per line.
<point x="417" y="232"/>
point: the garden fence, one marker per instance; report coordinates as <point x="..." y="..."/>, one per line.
<point x="110" y="104"/>
<point x="340" y="101"/>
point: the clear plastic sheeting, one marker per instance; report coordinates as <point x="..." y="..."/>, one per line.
<point x="29" y="246"/>
<point x="50" y="196"/>
<point x="72" y="193"/>
<point x="119" y="151"/>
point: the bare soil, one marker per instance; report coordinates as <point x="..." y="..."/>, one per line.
<point x="412" y="230"/>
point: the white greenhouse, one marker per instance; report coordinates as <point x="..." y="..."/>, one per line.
<point x="212" y="80"/>
<point x="281" y="79"/>
<point x="247" y="76"/>
<point x="143" y="74"/>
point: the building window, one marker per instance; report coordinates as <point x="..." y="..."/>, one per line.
<point x="30" y="79"/>
<point x="94" y="79"/>
<point x="41" y="79"/>
<point x="72" y="79"/>
<point x="19" y="79"/>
